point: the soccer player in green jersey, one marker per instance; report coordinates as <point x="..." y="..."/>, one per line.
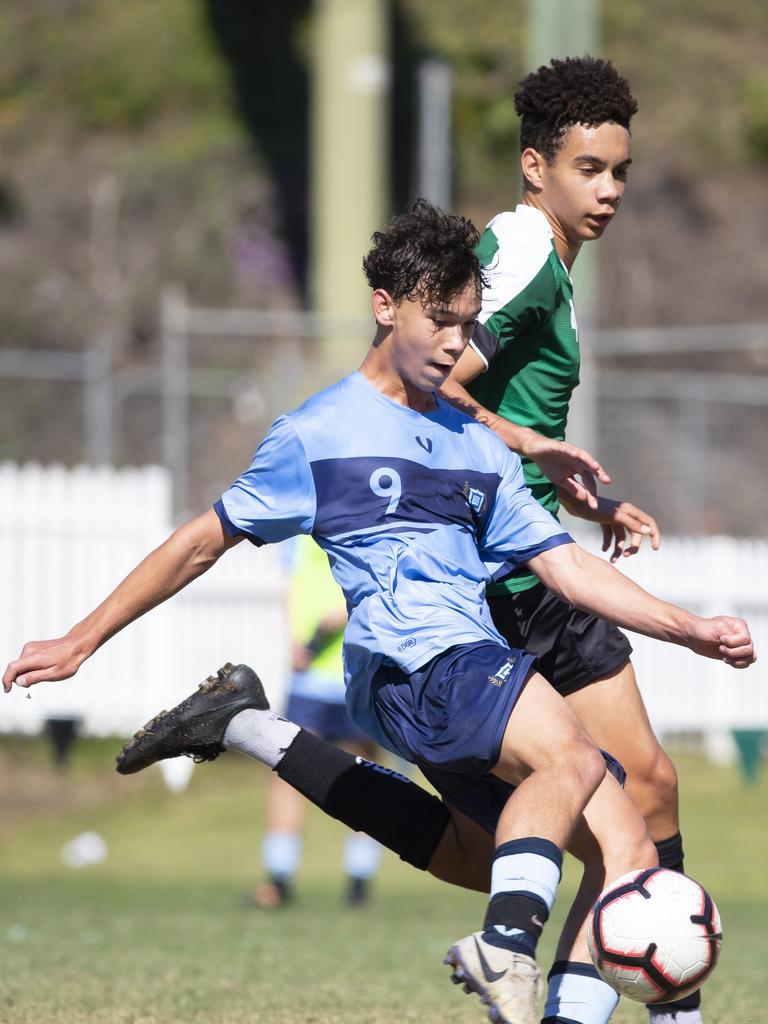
<point x="521" y="369"/>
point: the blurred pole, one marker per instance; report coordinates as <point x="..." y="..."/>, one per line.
<point x="350" y="154"/>
<point x="99" y="403"/>
<point x="105" y="302"/>
<point x="571" y="28"/>
<point x="435" y="132"/>
<point x="693" y="417"/>
<point x="175" y="394"/>
<point x="561" y="28"/>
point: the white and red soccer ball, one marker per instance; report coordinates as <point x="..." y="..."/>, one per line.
<point x="654" y="935"/>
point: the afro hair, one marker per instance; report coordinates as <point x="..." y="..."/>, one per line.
<point x="576" y="90"/>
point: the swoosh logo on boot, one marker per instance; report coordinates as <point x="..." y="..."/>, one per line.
<point x="490" y="974"/>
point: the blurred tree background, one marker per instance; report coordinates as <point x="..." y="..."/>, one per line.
<point x="166" y="141"/>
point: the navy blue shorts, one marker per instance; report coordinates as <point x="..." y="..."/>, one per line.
<point x="482" y="799"/>
<point x="327" y="719"/>
<point x="449" y="719"/>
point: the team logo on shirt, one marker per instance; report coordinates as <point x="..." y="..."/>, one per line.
<point x="476" y="499"/>
<point x="502" y="674"/>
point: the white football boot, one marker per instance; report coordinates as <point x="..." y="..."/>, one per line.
<point x="508" y="983"/>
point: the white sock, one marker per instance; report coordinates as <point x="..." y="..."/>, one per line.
<point x="576" y="992"/>
<point x="675" y="1016"/>
<point x="281" y="854"/>
<point x="263" y="735"/>
<point x="361" y="856"/>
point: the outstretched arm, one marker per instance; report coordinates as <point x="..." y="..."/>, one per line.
<point x="595" y="586"/>
<point x="571" y="468"/>
<point x="184" y="556"/>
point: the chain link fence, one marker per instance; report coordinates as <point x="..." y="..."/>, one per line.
<point x="679" y="416"/>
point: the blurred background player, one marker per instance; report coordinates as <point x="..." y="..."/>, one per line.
<point x="317" y="615"/>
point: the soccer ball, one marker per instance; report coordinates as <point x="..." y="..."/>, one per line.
<point x="654" y="935"/>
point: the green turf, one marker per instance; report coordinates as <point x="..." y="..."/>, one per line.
<point x="158" y="934"/>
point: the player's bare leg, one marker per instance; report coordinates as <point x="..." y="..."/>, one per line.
<point x="555" y="768"/>
<point x="554" y="765"/>
<point x="605" y="708"/>
<point x="610" y="839"/>
<point x="464" y="854"/>
<point x="602" y="708"/>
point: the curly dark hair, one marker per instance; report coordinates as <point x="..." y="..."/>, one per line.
<point x="424" y="254"/>
<point x="576" y="90"/>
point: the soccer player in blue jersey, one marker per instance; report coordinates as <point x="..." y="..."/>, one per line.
<point x="416" y="504"/>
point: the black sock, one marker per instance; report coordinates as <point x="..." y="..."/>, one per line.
<point x="367" y="797"/>
<point x="671" y="856"/>
<point x="670" y="853"/>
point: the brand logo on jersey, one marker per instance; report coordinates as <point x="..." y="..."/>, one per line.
<point x="410" y="642"/>
<point x="476" y="498"/>
<point x="425" y="443"/>
<point x="501" y="675"/>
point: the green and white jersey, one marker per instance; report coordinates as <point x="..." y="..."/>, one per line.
<point x="528" y="339"/>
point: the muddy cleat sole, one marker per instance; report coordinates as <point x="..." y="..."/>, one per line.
<point x="508" y="983"/>
<point x="196" y="726"/>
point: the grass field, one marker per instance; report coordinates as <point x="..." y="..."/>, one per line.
<point x="158" y="933"/>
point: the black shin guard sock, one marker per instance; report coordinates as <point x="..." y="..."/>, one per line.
<point x="671" y="856"/>
<point x="368" y="798"/>
<point x="670" y="853"/>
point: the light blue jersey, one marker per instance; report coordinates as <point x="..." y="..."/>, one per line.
<point x="415" y="511"/>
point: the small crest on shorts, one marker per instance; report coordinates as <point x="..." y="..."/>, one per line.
<point x="476" y="498"/>
<point x="502" y="674"/>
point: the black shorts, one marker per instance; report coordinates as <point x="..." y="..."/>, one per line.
<point x="573" y="648"/>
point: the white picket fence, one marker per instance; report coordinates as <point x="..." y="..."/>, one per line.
<point x="68" y="536"/>
<point x="709" y="576"/>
